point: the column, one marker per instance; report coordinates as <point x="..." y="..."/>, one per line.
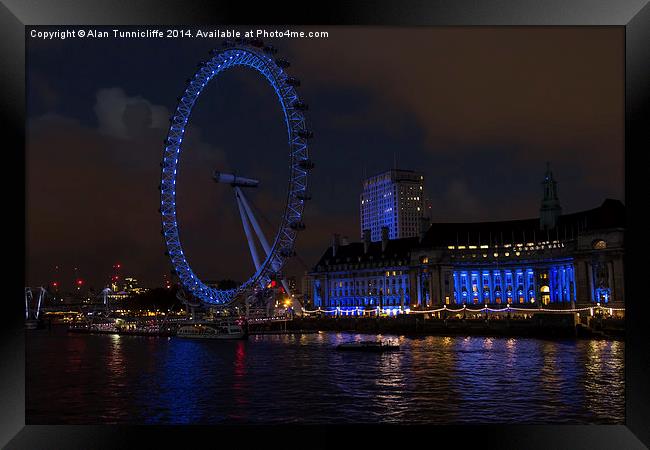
<point x="538" y="301"/>
<point x="567" y="283"/>
<point x="581" y="276"/>
<point x="525" y="272"/>
<point x="618" y="289"/>
<point x="590" y="274"/>
<point x="491" y="284"/>
<point x="573" y="278"/>
<point x="326" y="291"/>
<point x="434" y="284"/>
<point x="610" y="280"/>
<point x="442" y="274"/>
<point x="553" y="285"/>
<point x="434" y="280"/>
<point x="412" y="285"/>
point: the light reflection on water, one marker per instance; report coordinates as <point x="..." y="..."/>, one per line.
<point x="287" y="378"/>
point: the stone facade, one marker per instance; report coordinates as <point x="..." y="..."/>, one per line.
<point x="578" y="262"/>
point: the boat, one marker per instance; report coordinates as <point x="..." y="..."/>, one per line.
<point x="211" y="330"/>
<point x="369" y="346"/>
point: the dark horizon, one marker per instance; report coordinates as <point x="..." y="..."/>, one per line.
<point x="516" y="98"/>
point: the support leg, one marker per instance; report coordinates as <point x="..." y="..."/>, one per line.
<point x="258" y="231"/>
<point x="253" y="220"/>
<point x="247" y="230"/>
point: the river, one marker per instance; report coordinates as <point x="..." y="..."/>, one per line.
<point x="92" y="379"/>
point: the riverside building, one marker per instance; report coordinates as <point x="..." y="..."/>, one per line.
<point x="554" y="260"/>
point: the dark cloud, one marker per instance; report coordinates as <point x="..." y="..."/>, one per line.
<point x="92" y="192"/>
<point x="122" y="116"/>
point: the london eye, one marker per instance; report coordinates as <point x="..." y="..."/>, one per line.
<point x="252" y="54"/>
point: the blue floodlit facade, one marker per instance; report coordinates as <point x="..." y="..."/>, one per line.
<point x="563" y="261"/>
<point x="360" y="278"/>
<point x="554" y="283"/>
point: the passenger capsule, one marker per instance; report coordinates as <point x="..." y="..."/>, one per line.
<point x="282" y="63"/>
<point x="270" y="50"/>
<point x="305" y="134"/>
<point x="306" y="164"/>
<point x="291" y="81"/>
<point x="300" y="106"/>
<point x="298" y="226"/>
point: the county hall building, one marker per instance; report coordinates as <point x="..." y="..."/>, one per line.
<point x="554" y="260"/>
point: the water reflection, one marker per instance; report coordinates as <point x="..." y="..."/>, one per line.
<point x="240" y="383"/>
<point x="303" y="379"/>
<point x="603" y="366"/>
<point x="115" y="360"/>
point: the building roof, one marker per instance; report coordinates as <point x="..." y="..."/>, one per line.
<point x="396" y="250"/>
<point x="397" y="175"/>
<point x="611" y="214"/>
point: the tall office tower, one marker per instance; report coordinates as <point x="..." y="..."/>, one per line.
<point x="393" y="199"/>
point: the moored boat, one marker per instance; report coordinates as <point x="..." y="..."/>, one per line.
<point x="209" y="330"/>
<point x="369" y="346"/>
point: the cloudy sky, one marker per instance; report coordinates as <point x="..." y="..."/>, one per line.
<point x="478" y="110"/>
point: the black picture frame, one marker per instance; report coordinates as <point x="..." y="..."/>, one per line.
<point x="633" y="15"/>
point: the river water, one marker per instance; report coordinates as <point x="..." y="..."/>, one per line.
<point x="91" y="379"/>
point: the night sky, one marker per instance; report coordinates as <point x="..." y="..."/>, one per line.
<point x="478" y="110"/>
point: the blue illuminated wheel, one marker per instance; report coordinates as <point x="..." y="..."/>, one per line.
<point x="254" y="55"/>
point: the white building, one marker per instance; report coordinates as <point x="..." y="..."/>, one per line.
<point x="393" y="199"/>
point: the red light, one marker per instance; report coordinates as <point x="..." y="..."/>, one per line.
<point x="80" y="282"/>
<point x="55" y="284"/>
<point x="273" y="283"/>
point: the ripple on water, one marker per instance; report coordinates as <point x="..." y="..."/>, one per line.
<point x="129" y="379"/>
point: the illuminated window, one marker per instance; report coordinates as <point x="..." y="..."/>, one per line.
<point x="546" y="296"/>
<point x="599" y="244"/>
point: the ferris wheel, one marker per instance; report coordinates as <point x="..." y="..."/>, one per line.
<point x="261" y="58"/>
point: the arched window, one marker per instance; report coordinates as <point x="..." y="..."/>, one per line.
<point x="546" y="294"/>
<point x="599" y="244"/>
